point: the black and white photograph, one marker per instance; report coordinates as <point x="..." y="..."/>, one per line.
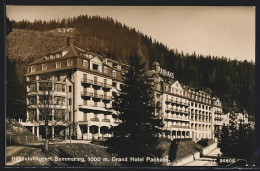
<point x="130" y="86"/>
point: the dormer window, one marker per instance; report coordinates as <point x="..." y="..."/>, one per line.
<point x="85" y="63"/>
<point x="32" y="69"/>
<point x="69" y="63"/>
<point x="44" y="67"/>
<point x="105" y="70"/>
<point x="113" y="73"/>
<point x="95" y="67"/>
<point x="58" y="64"/>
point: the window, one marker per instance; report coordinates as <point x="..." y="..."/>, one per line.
<point x="167" y="88"/>
<point x="59" y="87"/>
<point x="85" y="63"/>
<point x="114" y="84"/>
<point x="44" y="67"/>
<point x="32" y="69"/>
<point x="58" y="55"/>
<point x="32" y="87"/>
<point x="51" y="57"/>
<point x="58" y="64"/>
<point x="59" y="114"/>
<point x="69" y="116"/>
<point x="69" y="101"/>
<point x="32" y="114"/>
<point x="69" y="88"/>
<point x="32" y="100"/>
<point x="105" y="70"/>
<point x="95" y="67"/>
<point x="47" y="86"/>
<point x="113" y="73"/>
<point x="58" y="100"/>
<point x="58" y="78"/>
<point x="69" y="63"/>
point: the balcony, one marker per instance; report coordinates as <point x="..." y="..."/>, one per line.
<point x="86" y="94"/>
<point x="97" y="84"/>
<point x="94" y="119"/>
<point x="107" y="86"/>
<point x="107" y="98"/>
<point x="179" y="126"/>
<point x="90" y="107"/>
<point x="217" y="112"/>
<point x="32" y="89"/>
<point x="97" y="96"/>
<point x="167" y="110"/>
<point x="86" y="81"/>
<point x="179" y="118"/>
<point x="179" y="102"/>
<point x="218" y="119"/>
<point x="167" y="101"/>
<point x="105" y="120"/>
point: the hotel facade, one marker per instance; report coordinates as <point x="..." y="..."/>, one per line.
<point x="81" y="85"/>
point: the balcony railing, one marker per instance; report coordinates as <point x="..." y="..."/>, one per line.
<point x="217" y="112"/>
<point x="99" y="84"/>
<point x="105" y="120"/>
<point x="178" y="126"/>
<point x="176" y="102"/>
<point x="98" y="96"/>
<point x="107" y="98"/>
<point x="218" y="118"/>
<point x="94" y="119"/>
<point x="107" y="86"/>
<point x="32" y="89"/>
<point x="176" y="117"/>
<point x="86" y="81"/>
<point x="86" y="94"/>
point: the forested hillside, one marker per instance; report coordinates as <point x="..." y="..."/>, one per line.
<point x="229" y="79"/>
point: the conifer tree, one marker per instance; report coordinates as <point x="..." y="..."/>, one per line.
<point x="136" y="133"/>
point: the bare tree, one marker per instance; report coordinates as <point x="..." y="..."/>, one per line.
<point x="50" y="108"/>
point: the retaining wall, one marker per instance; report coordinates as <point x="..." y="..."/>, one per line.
<point x="194" y="156"/>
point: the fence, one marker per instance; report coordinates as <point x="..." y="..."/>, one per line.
<point x="14" y="139"/>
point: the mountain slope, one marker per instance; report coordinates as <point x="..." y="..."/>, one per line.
<point x="229" y="79"/>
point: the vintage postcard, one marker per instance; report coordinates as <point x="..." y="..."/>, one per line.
<point x="142" y="86"/>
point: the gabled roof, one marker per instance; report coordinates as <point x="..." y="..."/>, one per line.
<point x="72" y="51"/>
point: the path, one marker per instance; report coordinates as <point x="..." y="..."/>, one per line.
<point x="204" y="161"/>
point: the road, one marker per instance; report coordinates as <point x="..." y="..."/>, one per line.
<point x="205" y="161"/>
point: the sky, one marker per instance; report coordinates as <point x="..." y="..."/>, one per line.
<point x="216" y="31"/>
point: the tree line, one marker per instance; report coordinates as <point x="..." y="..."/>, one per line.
<point x="238" y="142"/>
<point x="228" y="79"/>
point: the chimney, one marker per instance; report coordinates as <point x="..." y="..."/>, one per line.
<point x="68" y="41"/>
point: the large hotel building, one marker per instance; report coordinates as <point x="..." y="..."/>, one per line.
<point x="81" y="84"/>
